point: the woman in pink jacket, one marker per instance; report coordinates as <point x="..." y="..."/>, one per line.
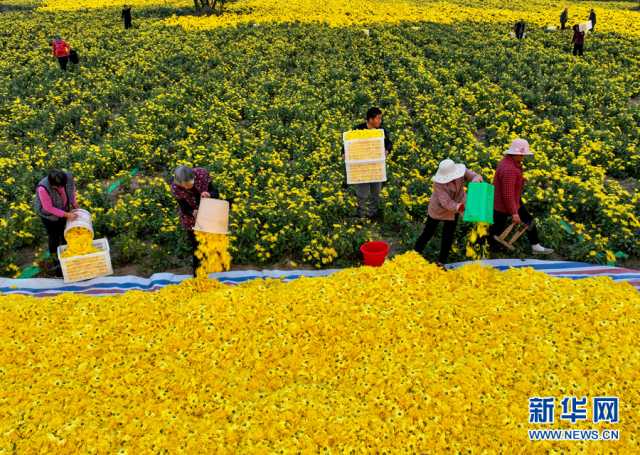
<point x="447" y="201"/>
<point x="54" y="202"/>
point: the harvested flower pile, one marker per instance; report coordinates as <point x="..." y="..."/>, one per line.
<point x="405" y="356"/>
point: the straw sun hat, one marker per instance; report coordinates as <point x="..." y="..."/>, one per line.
<point x="519" y="147"/>
<point x="448" y="171"/>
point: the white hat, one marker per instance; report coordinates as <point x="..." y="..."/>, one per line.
<point x="519" y="147"/>
<point x="448" y="171"/>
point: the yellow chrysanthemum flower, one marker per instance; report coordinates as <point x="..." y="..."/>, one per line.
<point x="79" y="242"/>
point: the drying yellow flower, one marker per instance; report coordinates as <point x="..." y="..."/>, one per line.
<point x="213" y="253"/>
<point x="79" y="242"/>
<point x="474" y="248"/>
<point x="401" y="358"/>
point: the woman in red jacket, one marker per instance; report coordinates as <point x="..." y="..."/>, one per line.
<point x="509" y="183"/>
<point x="61" y="51"/>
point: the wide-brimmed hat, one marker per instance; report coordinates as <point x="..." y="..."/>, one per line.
<point x="519" y="147"/>
<point x="448" y="171"/>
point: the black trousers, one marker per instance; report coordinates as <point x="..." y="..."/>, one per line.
<point x="55" y="232"/>
<point x="127" y="23"/>
<point x="563" y="25"/>
<point x="500" y="223"/>
<point x="578" y="49"/>
<point x="448" y="233"/>
<point x="194" y="246"/>
<point x="63" y="62"/>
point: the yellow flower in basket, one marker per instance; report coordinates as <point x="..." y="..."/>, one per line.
<point x="79" y="241"/>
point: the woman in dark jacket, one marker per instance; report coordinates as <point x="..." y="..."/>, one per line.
<point x="577" y="40"/>
<point x="126" y="16"/>
<point x="189" y="186"/>
<point x="592" y="18"/>
<point x="519" y="29"/>
<point x="564" y="17"/>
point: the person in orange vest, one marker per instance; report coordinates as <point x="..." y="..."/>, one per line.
<point x="61" y="50"/>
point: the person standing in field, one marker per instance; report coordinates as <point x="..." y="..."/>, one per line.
<point x="126" y="16"/>
<point x="592" y="18"/>
<point x="577" y="41"/>
<point x="54" y="202"/>
<point x="445" y="205"/>
<point x="564" y="18"/>
<point x="519" y="29"/>
<point x="189" y="186"/>
<point x="368" y="194"/>
<point x="509" y="183"/>
<point x="61" y="51"/>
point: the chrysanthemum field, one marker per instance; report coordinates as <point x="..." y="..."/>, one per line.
<point x="261" y="94"/>
<point x="402" y="358"/>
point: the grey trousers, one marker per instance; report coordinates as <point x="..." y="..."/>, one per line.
<point x="368" y="198"/>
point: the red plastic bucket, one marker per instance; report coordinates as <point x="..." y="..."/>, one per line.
<point x="374" y="253"/>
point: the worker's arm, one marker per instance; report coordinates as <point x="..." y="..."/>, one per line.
<point x="471" y="176"/>
<point x="388" y="145"/>
<point x="47" y="203"/>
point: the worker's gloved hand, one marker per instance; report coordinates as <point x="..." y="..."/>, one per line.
<point x="205" y="194"/>
<point x="477" y="179"/>
<point x="70" y="216"/>
<point x="460" y="208"/>
<point x="516" y="219"/>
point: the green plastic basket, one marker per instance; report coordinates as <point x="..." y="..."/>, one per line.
<point x="479" y="207"/>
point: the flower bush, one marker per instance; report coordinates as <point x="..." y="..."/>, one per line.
<point x="265" y="116"/>
<point x="405" y="357"/>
